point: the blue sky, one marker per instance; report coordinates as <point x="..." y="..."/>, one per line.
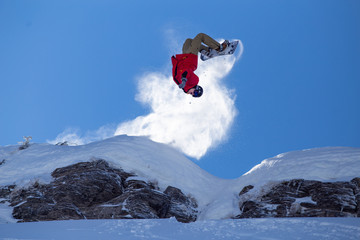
<point x="76" y="64"/>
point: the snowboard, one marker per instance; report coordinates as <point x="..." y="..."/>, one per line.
<point x="205" y="55"/>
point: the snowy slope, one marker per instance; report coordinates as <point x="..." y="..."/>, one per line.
<point x="217" y="198"/>
<point x="153" y="161"/>
<point x="323" y="164"/>
<point x="170" y="229"/>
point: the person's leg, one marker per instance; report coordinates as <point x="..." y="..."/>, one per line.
<point x="186" y="46"/>
<point x="196" y="43"/>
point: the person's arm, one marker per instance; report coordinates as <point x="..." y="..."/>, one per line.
<point x="183" y="80"/>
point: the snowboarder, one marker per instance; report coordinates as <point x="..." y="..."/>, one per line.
<point x="186" y="63"/>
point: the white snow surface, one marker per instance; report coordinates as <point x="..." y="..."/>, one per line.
<point x="217" y="198"/>
<point x="170" y="229"/>
<point x="323" y="164"/>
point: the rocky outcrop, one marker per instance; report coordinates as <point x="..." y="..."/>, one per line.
<point x="94" y="190"/>
<point x="179" y="205"/>
<point x="304" y="198"/>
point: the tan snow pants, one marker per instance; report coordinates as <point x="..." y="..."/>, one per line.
<point x="195" y="45"/>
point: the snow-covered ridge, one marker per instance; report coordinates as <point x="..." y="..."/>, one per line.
<point x="217" y="198"/>
<point x="153" y="161"/>
<point x="323" y="164"/>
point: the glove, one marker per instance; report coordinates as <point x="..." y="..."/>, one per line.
<point x="183" y="82"/>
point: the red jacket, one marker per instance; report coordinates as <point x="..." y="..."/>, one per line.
<point x="185" y="62"/>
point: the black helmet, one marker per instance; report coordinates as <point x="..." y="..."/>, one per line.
<point x="198" y="91"/>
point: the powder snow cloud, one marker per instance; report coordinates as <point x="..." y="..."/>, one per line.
<point x="189" y="124"/>
<point x="192" y="125"/>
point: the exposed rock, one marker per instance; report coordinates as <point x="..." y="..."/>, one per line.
<point x="62" y="143"/>
<point x="138" y="204"/>
<point x="94" y="190"/>
<point x="23" y="147"/>
<point x="356" y="182"/>
<point x="246" y="189"/>
<point x="304" y="198"/>
<point x="2" y="162"/>
<point x="252" y="209"/>
<point x="41" y="211"/>
<point x="182" y="207"/>
<point x="5" y="193"/>
<point x="134" y="183"/>
<point x="87" y="184"/>
<point x="142" y="200"/>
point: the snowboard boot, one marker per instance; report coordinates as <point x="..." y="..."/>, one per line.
<point x="206" y="53"/>
<point x="223" y="46"/>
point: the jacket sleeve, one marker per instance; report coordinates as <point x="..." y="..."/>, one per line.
<point x="174" y="62"/>
<point x="192" y="81"/>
